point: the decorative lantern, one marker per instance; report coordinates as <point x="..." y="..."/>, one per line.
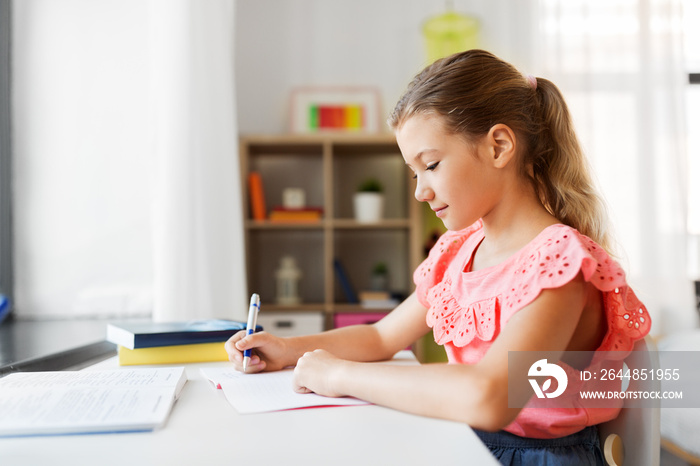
<point x="288" y="276"/>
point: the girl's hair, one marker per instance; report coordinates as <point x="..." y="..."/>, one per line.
<point x="472" y="91"/>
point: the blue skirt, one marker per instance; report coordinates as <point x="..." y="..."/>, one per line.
<point x="579" y="449"/>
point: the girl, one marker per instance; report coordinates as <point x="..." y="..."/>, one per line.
<point x="523" y="267"/>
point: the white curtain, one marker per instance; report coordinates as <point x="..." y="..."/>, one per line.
<point x="197" y="214"/>
<point x="620" y="65"/>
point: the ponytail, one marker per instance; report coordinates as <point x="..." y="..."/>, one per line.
<point x="560" y="171"/>
<point x="474" y="90"/>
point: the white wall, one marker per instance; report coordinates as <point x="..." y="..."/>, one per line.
<point x="281" y="44"/>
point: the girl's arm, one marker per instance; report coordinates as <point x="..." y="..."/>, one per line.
<point x="474" y="394"/>
<point x="375" y="342"/>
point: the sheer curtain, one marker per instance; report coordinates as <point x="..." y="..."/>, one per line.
<point x="197" y="213"/>
<point x="620" y="65"/>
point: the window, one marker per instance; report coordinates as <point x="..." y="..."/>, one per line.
<point x="618" y="65"/>
<point x="621" y="65"/>
<point x="691" y="19"/>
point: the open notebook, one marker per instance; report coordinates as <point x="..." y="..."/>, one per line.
<point x="272" y="391"/>
<point x="78" y="402"/>
<point x="269" y="391"/>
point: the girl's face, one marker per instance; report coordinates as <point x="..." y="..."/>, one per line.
<point x="456" y="178"/>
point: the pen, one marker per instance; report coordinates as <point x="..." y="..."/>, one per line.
<point x="250" y="326"/>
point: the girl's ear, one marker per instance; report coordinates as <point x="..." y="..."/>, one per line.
<point x="502" y="142"/>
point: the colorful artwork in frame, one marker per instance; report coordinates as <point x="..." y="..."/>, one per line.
<point x="344" y="109"/>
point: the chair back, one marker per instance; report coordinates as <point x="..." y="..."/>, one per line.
<point x="633" y="437"/>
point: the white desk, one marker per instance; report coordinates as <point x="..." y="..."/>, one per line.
<point x="204" y="429"/>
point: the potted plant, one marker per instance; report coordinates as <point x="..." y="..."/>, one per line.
<point x="379" y="280"/>
<point x="369" y="201"/>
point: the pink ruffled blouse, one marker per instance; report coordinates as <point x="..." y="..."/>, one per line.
<point x="466" y="310"/>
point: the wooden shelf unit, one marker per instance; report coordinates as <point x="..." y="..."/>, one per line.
<point x="329" y="167"/>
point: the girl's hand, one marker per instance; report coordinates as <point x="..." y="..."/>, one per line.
<point x="270" y="353"/>
<point x="317" y="371"/>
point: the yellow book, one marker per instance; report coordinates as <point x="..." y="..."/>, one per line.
<point x="178" y="354"/>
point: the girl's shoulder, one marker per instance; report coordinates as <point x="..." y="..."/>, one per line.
<point x="559" y="252"/>
<point x="555" y="258"/>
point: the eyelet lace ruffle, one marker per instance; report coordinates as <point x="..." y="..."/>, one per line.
<point x="630" y="321"/>
<point x="553" y="259"/>
<point x="452" y="322"/>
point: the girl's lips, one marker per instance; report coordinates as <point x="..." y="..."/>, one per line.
<point x="440" y="212"/>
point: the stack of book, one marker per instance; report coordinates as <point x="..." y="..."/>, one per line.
<point x="300" y="215"/>
<point x="172" y="342"/>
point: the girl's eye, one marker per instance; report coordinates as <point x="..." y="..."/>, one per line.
<point x="430" y="167"/>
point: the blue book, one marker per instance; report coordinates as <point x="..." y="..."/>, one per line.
<point x="134" y="335"/>
<point x="4" y="307"/>
<point x="345" y="282"/>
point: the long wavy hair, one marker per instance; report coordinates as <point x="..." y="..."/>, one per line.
<point x="474" y="90"/>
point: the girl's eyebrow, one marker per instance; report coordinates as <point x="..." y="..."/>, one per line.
<point x="419" y="155"/>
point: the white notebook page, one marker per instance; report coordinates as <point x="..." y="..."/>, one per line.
<point x="268" y="391"/>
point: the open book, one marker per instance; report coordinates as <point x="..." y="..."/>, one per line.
<point x="75" y="402"/>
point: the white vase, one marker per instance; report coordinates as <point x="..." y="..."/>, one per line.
<point x="369" y="207"/>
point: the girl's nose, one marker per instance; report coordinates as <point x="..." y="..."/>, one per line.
<point x="423" y="192"/>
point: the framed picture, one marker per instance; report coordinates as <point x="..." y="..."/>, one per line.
<point x="345" y="109"/>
